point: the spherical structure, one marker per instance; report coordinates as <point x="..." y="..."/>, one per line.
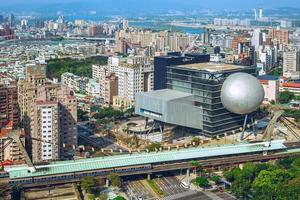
<point x="242" y="93"/>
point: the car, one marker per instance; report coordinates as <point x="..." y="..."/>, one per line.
<point x="140" y="198"/>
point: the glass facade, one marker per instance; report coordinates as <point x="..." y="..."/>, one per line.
<point x="206" y="87"/>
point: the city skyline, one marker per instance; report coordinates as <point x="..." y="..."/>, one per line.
<point x="150" y="6"/>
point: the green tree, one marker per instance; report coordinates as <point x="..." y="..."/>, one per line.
<point x="119" y="198"/>
<point x="114" y="179"/>
<point x="216" y="179"/>
<point x="296" y="163"/>
<point x="89" y="184"/>
<point x="154" y="146"/>
<point x="269" y="184"/>
<point x="292" y="189"/>
<point x="91" y="197"/>
<point x="296" y="116"/>
<point x="241" y="187"/>
<point x="285" y="162"/>
<point x="285" y="97"/>
<point x="248" y="172"/>
<point x="103" y="196"/>
<point x="196" y="141"/>
<point x="232" y="174"/>
<point x="198" y="166"/>
<point x="56" y="67"/>
<point x="202" y="181"/>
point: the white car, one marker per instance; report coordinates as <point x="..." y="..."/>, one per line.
<point x="185" y="185"/>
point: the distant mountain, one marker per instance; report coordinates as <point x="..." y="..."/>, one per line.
<point x="136" y="7"/>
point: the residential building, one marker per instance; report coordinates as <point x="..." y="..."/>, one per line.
<point x="93" y="87"/>
<point x="110" y="88"/>
<point x="74" y="82"/>
<point x="9" y="111"/>
<point x="122" y="102"/>
<point x="279" y="35"/>
<point x="135" y="74"/>
<point x="291" y="61"/>
<point x="36" y="95"/>
<point x="46" y="128"/>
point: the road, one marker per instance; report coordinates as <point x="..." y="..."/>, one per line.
<point x="88" y="136"/>
<point x="170" y="185"/>
<point x="136" y="189"/>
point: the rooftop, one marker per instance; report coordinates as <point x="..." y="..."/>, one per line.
<point x="166" y="94"/>
<point x="214" y="67"/>
<point x="291" y="85"/>
<point x="268" y="77"/>
<point x="62" y="167"/>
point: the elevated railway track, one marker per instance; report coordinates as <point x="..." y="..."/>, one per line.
<point x="221" y="161"/>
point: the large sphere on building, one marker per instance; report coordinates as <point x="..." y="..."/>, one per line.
<point x="242" y="93"/>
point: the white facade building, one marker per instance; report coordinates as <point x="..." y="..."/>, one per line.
<point x="291" y="61"/>
<point x="135" y="74"/>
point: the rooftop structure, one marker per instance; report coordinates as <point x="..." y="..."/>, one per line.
<point x="214" y="67"/>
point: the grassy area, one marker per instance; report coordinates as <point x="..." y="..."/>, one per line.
<point x="56" y="67"/>
<point x="155" y="188"/>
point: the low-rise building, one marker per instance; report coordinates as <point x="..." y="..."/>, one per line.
<point x="271" y="87"/>
<point x="122" y="102"/>
<point x="292" y="87"/>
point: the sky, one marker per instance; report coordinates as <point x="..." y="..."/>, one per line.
<point x="203" y="3"/>
<point x="145" y="5"/>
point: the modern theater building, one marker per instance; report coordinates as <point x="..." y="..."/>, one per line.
<point x="192" y="98"/>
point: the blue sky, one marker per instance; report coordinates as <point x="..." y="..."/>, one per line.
<point x="219" y="4"/>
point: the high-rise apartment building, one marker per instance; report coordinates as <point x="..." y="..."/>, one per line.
<point x="291" y="61"/>
<point x="161" y="41"/>
<point x="49" y="113"/>
<point x="46" y="128"/>
<point x="135" y="74"/>
<point x="110" y="88"/>
<point x="279" y="35"/>
<point x="9" y="111"/>
<point x="257" y="39"/>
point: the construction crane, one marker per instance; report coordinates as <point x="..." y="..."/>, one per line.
<point x="15" y="136"/>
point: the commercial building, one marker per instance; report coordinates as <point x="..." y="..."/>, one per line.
<point x="162" y="62"/>
<point x="202" y="85"/>
<point x="58" y="126"/>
